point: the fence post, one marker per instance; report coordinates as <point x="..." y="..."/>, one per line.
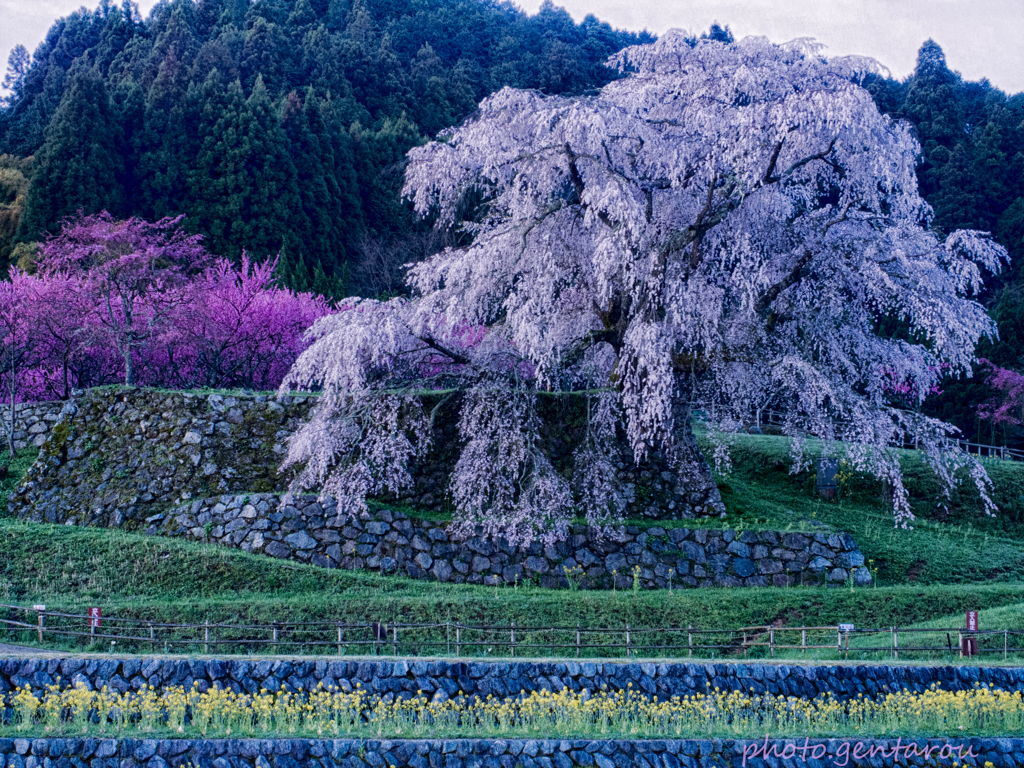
<point x="771" y="641"/>
<point x="577" y="640"/>
<point x="960" y="642"/>
<point x="206" y="638"/>
<point x="512" y="644"/>
<point x="39" y="614"/>
<point x="339" y="638"/>
<point x="1006" y="637"/>
<point x="448" y="638"/>
<point x="803" y="640"/>
<point x="394" y="637"/>
<point x="458" y="639"/>
<point x="689" y="638"/>
<point x="628" y="655"/>
<point x="895" y="643"/>
<point x="152" y="639"/>
<point x="274" y="639"/>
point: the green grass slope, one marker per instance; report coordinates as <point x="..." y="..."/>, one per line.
<point x="951" y="541"/>
<point x="953" y="560"/>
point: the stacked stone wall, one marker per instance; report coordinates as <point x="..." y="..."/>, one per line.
<point x="440" y="678"/>
<point x="119" y="455"/>
<point x="505" y="753"/>
<point x="390" y="542"/>
<point x="32" y="422"/>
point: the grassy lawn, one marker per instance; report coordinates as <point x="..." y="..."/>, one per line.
<point x="951" y="561"/>
<point x="130" y="575"/>
<point x="951" y="545"/>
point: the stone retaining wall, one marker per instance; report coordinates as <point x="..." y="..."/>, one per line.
<point x="32" y="422"/>
<point x="441" y="679"/>
<point x="390" y="542"/>
<point x="125" y="453"/>
<point x="495" y="753"/>
<point x="118" y="454"/>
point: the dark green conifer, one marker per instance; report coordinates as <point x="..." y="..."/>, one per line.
<point x="243" y="187"/>
<point x="79" y="165"/>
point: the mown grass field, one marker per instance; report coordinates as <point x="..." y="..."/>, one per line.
<point x="951" y="540"/>
<point x="953" y="560"/>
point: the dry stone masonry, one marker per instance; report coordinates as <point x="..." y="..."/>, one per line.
<point x="502" y="753"/>
<point x="205" y="467"/>
<point x="32" y="422"/>
<point x="392" y="543"/>
<point x="119" y="455"/>
<point x="439" y="677"/>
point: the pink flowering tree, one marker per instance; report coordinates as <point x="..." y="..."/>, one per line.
<point x="59" y="313"/>
<point x="1008" y="406"/>
<point x="722" y="225"/>
<point x="240" y="327"/>
<point x="145" y="304"/>
<point x="19" y="346"/>
<point x="132" y="273"/>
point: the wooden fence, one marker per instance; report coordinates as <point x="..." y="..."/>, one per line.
<point x="768" y="417"/>
<point x="455" y="639"/>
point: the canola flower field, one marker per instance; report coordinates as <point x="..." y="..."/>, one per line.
<point x="327" y="712"/>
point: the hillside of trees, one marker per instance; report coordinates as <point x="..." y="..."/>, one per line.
<point x="971" y="171"/>
<point x="275" y="126"/>
<point x="280" y="126"/>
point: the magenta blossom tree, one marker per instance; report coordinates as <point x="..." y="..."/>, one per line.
<point x="1008" y="406"/>
<point x="59" y="312"/>
<point x="19" y="346"/>
<point x="131" y="271"/>
<point x="721" y="227"/>
<point x="243" y="329"/>
<point x="144" y="303"/>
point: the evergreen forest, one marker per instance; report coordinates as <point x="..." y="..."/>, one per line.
<point x="280" y="126"/>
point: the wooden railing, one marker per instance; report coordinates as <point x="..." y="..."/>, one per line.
<point x="982" y="450"/>
<point x="455" y="639"/>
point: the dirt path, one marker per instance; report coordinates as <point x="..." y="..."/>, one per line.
<point x="22" y="650"/>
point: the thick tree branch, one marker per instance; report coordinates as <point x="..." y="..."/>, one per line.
<point x="454" y="356"/>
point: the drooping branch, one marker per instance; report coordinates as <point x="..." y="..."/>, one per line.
<point x="455" y="357"/>
<point x="642" y="239"/>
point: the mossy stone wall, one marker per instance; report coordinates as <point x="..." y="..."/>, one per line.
<point x="116" y="456"/>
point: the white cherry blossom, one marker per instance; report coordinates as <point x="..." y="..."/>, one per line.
<point x="725" y="225"/>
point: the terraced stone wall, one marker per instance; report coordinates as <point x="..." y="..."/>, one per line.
<point x="391" y="542"/>
<point x="119" y="455"/>
<point x="32" y="422"/>
<point x="442" y="679"/>
<point x="501" y="753"/>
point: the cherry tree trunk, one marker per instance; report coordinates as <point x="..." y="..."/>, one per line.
<point x="695" y="483"/>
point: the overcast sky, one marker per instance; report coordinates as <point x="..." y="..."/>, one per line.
<point x="981" y="38"/>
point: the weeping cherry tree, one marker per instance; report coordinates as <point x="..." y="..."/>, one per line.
<point x="724" y="227"/>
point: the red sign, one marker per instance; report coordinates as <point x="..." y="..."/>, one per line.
<point x="972" y="621"/>
<point x="95" y="618"/>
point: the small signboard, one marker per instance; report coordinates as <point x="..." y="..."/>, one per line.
<point x="972" y="621"/>
<point x="38" y="607"/>
<point x="827" y="482"/>
<point x="95" y="618"/>
<point x="846" y="627"/>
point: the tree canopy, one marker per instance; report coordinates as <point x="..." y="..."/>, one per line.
<point x="725" y="226"/>
<point x="144" y="303"/>
<point x="271" y="123"/>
